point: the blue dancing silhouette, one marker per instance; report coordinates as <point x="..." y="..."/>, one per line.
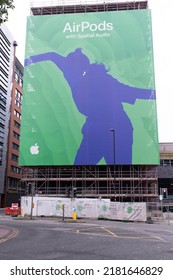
<point x="99" y="97"/>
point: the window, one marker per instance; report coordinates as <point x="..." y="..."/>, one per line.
<point x="2" y="99"/>
<point x="5" y="39"/>
<point x="1" y="148"/>
<point x="3" y="63"/>
<point x="17" y="114"/>
<point x="4" y="72"/>
<point x="3" y="90"/>
<point x="17" y="103"/>
<point x="166" y="162"/>
<point x="5" y="54"/>
<point x="18" y="95"/>
<point x="16" y="135"/>
<point x="20" y="82"/>
<point x="16" y="124"/>
<point x="14" y="157"/>
<point x="1" y="135"/>
<point x="18" y="77"/>
<point x="2" y="112"/>
<point x="4" y="80"/>
<point x="2" y="121"/>
<point x="15" y="169"/>
<point x="15" y="146"/>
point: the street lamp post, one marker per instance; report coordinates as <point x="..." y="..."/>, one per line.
<point x="113" y="131"/>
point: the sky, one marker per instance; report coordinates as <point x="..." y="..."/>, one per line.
<point x="162" y="24"/>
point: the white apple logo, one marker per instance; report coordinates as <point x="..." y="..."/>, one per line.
<point x="34" y="149"/>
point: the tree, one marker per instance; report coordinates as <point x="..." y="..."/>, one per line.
<point x="4" y="6"/>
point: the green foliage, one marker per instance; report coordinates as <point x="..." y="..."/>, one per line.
<point x="4" y="6"/>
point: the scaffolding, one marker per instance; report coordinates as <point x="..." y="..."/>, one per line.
<point x="65" y="7"/>
<point x="116" y="182"/>
<point x="119" y="182"/>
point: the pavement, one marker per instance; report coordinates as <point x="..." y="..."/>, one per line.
<point x="8" y="233"/>
<point x="4" y="232"/>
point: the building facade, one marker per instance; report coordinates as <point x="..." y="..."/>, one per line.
<point x="165" y="171"/>
<point x="11" y="80"/>
<point x="13" y="171"/>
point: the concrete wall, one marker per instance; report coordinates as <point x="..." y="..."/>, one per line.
<point x="85" y="208"/>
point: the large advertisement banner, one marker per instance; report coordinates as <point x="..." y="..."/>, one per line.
<point x="89" y="91"/>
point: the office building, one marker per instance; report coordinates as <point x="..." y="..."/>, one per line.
<point x="11" y="80"/>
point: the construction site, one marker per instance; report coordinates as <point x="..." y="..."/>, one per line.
<point x="121" y="183"/>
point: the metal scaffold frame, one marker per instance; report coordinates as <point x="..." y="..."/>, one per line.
<point x="120" y="182"/>
<point x="65" y="7"/>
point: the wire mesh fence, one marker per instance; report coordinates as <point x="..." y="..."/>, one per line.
<point x="159" y="211"/>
